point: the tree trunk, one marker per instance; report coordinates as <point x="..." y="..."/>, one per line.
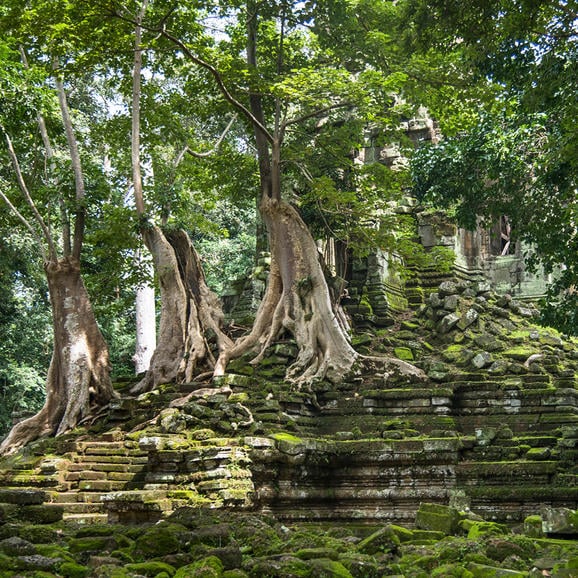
<point x="78" y="381"/>
<point x="146" y="330"/>
<point x="190" y="312"/>
<point x="298" y="300"/>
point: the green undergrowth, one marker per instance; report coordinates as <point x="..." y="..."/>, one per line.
<point x="226" y="544"/>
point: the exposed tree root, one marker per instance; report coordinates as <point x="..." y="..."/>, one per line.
<point x="298" y="301"/>
<point x="78" y="381"/>
<point x="190" y="312"/>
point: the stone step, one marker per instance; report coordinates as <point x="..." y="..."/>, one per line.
<point x="108" y="459"/>
<point x="74" y="496"/>
<point x="81" y="507"/>
<point x="85" y="519"/>
<point x="106" y="467"/>
<point x="104" y="486"/>
<point x="27" y="478"/>
<point x="501" y="473"/>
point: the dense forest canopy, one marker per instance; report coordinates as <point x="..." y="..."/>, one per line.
<point x="209" y="133"/>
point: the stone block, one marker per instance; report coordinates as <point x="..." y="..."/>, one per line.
<point x="23" y="497"/>
<point x="561" y="521"/>
<point x="448" y="322"/>
<point x="438" y="518"/>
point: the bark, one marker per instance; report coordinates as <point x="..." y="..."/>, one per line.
<point x="190" y="312"/>
<point x="78" y="381"/>
<point x="298" y="300"/>
<point x="146" y="331"/>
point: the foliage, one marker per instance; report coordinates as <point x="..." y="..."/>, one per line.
<point x="506" y="166"/>
<point x="25" y="327"/>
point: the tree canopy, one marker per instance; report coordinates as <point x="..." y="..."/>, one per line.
<point x="186" y="126"/>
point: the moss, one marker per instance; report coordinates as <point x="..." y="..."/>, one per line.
<point x="152" y="568"/>
<point x="38" y="534"/>
<point x="384" y="540"/>
<point x="91" y="544"/>
<point x="73" y="570"/>
<point x="533" y="526"/>
<point x="286" y="437"/>
<point x="403" y="534"/>
<point x="54" y="551"/>
<point x="327" y="568"/>
<point x="41" y="513"/>
<point x="7" y="563"/>
<point x="477" y="530"/>
<point x="209" y="567"/>
<point x="313" y="553"/>
<point x="519" y="353"/>
<point x="438" y="518"/>
<point x="483" y="571"/>
<point x="162" y="539"/>
<point x="451" y="571"/>
<point x="404" y="353"/>
<point x="280" y="568"/>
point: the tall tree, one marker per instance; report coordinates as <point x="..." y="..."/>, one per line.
<point x="78" y="378"/>
<point x="290" y="84"/>
<point x="189" y="309"/>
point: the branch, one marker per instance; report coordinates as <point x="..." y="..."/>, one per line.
<point x="162" y="31"/>
<point x="49" y="156"/>
<point x="28" y="197"/>
<point x="212" y="151"/>
<point x="135" y="126"/>
<point x="220" y="83"/>
<point x="315" y="113"/>
<point x="25" y="223"/>
<point x="77" y="169"/>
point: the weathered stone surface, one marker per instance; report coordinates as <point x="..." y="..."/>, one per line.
<point x="448" y="288"/>
<point x="23" y="497"/>
<point x="448" y="322"/>
<point x="384" y="540"/>
<point x="438" y="518"/>
<point x="482" y="360"/>
<point x="16" y="546"/>
<point x="467" y="319"/>
<point x="559" y="521"/>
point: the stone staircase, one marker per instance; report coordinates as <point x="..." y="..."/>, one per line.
<point x="95" y="468"/>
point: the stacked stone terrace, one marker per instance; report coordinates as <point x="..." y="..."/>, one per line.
<point x="495" y="427"/>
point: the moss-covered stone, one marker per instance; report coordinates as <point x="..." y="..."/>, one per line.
<point x="73" y="570"/>
<point x="38" y="534"/>
<point x="279" y="567"/>
<point x="329" y="568"/>
<point x="451" y="571"/>
<point x="533" y="526"/>
<point x="384" y="540"/>
<point x="404" y="353"/>
<point x="519" y="353"/>
<point x="41" y="513"/>
<point x="476" y="529"/>
<point x="438" y="518"/>
<point x="162" y="539"/>
<point x="209" y="567"/>
<point x="92" y="544"/>
<point x="313" y="553"/>
<point x="483" y="571"/>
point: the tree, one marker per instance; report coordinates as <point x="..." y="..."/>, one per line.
<point x="189" y="309"/>
<point x="24" y="325"/>
<point x="291" y="87"/>
<point x="78" y="378"/>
